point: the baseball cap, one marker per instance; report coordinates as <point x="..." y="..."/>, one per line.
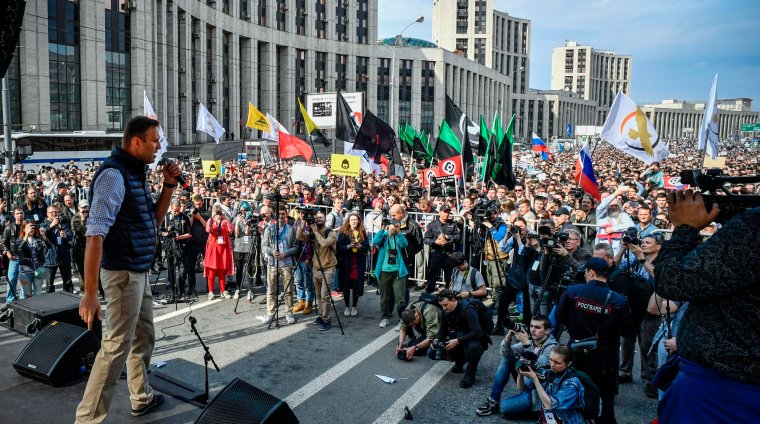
<point x="446" y="207"/>
<point x="84" y="204"/>
<point x="61" y="185"/>
<point x="597" y="264"/>
<point x="562" y="211"/>
<point x="457" y="258"/>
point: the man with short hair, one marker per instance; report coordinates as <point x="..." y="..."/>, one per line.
<point x="464" y="339"/>
<point x="11" y="250"/>
<point x="420" y="322"/>
<point x="561" y="219"/>
<point x="280" y="245"/>
<point x="540" y="342"/>
<point x="197" y="243"/>
<point x="121" y="236"/>
<point x="324" y="262"/>
<point x="441" y="235"/>
<point x="59" y="234"/>
<point x="466" y="281"/>
<point x="645" y="226"/>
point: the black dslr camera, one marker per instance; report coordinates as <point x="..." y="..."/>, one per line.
<point x="631" y="236"/>
<point x="437" y="349"/>
<point x="482" y="209"/>
<point x="526" y="361"/>
<point x="549" y="240"/>
<point x="508" y="324"/>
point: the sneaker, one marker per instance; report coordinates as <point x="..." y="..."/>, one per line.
<point x="488" y="407"/>
<point x="236" y="295"/>
<point x="398" y="327"/>
<point x="250" y="297"/>
<point x="308" y="308"/>
<point x="211" y="296"/>
<point x="347" y="312"/>
<point x="226" y="295"/>
<point x="157" y="400"/>
<point x="325" y="326"/>
<point x="299" y="306"/>
<point x="267" y="319"/>
<point x="318" y="321"/>
<point x="290" y="320"/>
<point x="354" y="311"/>
<point x="336" y="294"/>
<point x="383" y="322"/>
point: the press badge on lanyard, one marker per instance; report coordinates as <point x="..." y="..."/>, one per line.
<point x="550" y="418"/>
<point x="220" y="240"/>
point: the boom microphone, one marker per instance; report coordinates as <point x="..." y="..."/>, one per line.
<point x="180" y="178"/>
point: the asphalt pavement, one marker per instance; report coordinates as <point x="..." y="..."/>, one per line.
<point x="324" y="376"/>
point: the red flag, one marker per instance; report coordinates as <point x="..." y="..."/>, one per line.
<point x="450" y="167"/>
<point x="425" y="175"/>
<point x="292" y="146"/>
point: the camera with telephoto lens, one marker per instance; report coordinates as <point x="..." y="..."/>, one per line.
<point x="252" y="219"/>
<point x="550" y="240"/>
<point x="508" y="324"/>
<point x="308" y="214"/>
<point x="437" y="348"/>
<point x="482" y="209"/>
<point x="712" y="183"/>
<point x="631" y="236"/>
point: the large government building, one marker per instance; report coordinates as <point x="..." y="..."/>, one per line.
<point x="84" y="65"/>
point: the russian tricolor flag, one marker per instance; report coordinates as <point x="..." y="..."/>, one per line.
<point x="584" y="173"/>
<point x="540" y="146"/>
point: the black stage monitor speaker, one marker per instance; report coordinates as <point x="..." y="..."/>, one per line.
<point x="33" y="313"/>
<point x="58" y="354"/>
<point x="241" y="402"/>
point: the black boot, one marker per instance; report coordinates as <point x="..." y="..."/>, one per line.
<point x="467" y="380"/>
<point x="457" y="368"/>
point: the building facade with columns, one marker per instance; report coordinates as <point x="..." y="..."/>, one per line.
<point x="84" y="65"/>
<point x="682" y="119"/>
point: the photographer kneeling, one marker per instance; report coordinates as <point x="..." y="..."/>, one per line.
<point x="539" y="343"/>
<point x="421" y="322"/>
<point x="460" y="335"/>
<point x="560" y="391"/>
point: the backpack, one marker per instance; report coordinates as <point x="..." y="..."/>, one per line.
<point x="484" y="317"/>
<point x="474" y="284"/>
<point x="592" y="401"/>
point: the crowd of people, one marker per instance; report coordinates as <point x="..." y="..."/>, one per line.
<point x="520" y="250"/>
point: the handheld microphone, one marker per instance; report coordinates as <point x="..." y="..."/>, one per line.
<point x="180" y="178"/>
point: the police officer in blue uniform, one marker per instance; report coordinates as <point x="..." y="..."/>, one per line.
<point x="593" y="311"/>
<point x="441" y="235"/>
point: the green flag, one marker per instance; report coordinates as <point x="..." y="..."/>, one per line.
<point x="496" y="129"/>
<point x="485" y="140"/>
<point x="502" y="171"/>
<point x="448" y="144"/>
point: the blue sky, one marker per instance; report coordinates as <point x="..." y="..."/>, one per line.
<point x="677" y="45"/>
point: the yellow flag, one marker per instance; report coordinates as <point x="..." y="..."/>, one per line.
<point x="310" y="126"/>
<point x="256" y="119"/>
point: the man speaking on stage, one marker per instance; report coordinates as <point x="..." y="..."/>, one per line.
<point x="121" y="246"/>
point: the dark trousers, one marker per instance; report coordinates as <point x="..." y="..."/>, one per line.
<point x="437" y="262"/>
<point x="79" y="261"/>
<point x="189" y="258"/>
<point x="508" y="295"/>
<point x="65" y="267"/>
<point x="601" y="366"/>
<point x="466" y="353"/>
<point x="240" y="271"/>
<point x="646" y="331"/>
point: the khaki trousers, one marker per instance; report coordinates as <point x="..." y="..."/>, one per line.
<point x="286" y="280"/>
<point x="322" y="289"/>
<point x="128" y="338"/>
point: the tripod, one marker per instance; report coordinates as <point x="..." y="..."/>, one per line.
<point x="276" y="228"/>
<point x="324" y="281"/>
<point x="552" y="265"/>
<point x="173" y="261"/>
<point x="206" y="357"/>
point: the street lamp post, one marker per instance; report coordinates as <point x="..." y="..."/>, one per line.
<point x="393" y="68"/>
<point x="511" y="75"/>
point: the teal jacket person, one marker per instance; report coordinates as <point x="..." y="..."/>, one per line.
<point x="381" y="241"/>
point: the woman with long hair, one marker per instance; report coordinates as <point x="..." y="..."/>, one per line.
<point x="218" y="261"/>
<point x="33" y="246"/>
<point x="353" y="246"/>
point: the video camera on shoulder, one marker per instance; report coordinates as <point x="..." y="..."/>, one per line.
<point x="308" y="214"/>
<point x="712" y="185"/>
<point x="550" y="240"/>
<point x="482" y="209"/>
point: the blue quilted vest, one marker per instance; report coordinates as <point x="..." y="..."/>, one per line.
<point x="131" y="242"/>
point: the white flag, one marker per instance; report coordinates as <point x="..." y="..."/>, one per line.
<point x="208" y="124"/>
<point x="368" y="165"/>
<point x="628" y="129"/>
<point x="274" y="130"/>
<point x="708" y="133"/>
<point x="150" y="113"/>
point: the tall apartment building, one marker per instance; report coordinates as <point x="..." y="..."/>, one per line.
<point x="594" y="74"/>
<point x="492" y="38"/>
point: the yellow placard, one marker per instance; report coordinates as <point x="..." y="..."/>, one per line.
<point x="211" y="168"/>
<point x="346" y="165"/>
<point x="717" y="163"/>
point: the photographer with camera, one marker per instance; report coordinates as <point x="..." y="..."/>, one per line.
<point x="496" y="258"/>
<point x="466" y="281"/>
<point x="391" y="270"/>
<point x="719" y="378"/>
<point x="420" y="321"/>
<point x="199" y="217"/>
<point x="176" y="234"/>
<point x="441" y="235"/>
<point x="460" y="336"/>
<point x="562" y="255"/>
<point x="596" y="318"/>
<point x="58" y="232"/>
<point x="561" y="392"/>
<point x="526" y="249"/>
<point x="302" y="277"/>
<point x="324" y="262"/>
<point x="11" y="251"/>
<point x="245" y="233"/>
<point x="540" y="343"/>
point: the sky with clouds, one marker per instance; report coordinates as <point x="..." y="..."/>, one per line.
<point x="677" y="45"/>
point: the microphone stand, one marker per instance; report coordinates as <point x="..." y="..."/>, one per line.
<point x="206" y="357"/>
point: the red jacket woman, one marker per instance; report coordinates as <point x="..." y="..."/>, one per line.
<point x="218" y="261"/>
